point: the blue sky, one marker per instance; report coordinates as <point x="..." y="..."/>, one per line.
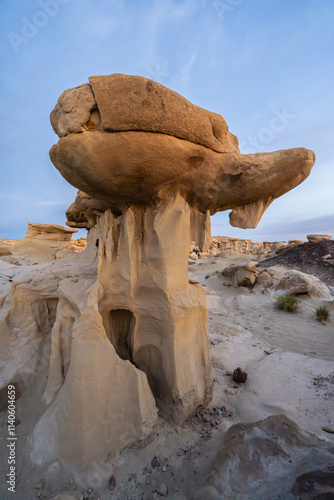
<point x="249" y="60"/>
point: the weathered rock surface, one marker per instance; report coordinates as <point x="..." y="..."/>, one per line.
<point x="6" y="247"/>
<point x="223" y="243"/>
<point x="57" y="310"/>
<point x="72" y="113"/>
<point x="152" y="135"/>
<point x="105" y="166"/>
<point x="314" y="238"/>
<point x="68" y="496"/>
<point x="127" y="327"/>
<point x="245" y="275"/>
<point x="43" y="242"/>
<point x="316" y="259"/>
<point x="285" y="247"/>
<point x="317" y="484"/>
<point x="268" y="459"/>
<point x="135" y="103"/>
<point x="297" y="242"/>
<point x="78" y="245"/>
<point x="84" y="211"/>
<point x="200" y="229"/>
<point x="48" y="232"/>
<point x="296" y="282"/>
<point x="122" y="311"/>
<point x="125" y="103"/>
<point x="263" y="281"/>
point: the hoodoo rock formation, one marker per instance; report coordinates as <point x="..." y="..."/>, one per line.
<point x="129" y="330"/>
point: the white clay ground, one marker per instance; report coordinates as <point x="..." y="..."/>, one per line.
<point x="290" y="363"/>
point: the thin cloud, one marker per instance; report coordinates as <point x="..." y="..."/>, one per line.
<point x="51" y="203"/>
<point x="186" y="70"/>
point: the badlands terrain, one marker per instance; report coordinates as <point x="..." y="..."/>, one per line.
<point x="146" y="366"/>
<point x="289" y="359"/>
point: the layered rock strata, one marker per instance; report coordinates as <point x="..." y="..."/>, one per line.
<point x="43" y="242"/>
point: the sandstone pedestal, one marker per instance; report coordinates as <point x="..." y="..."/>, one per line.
<point x="133" y="339"/>
<point x="152" y="314"/>
<point x="128" y="328"/>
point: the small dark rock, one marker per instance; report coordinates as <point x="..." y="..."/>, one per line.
<point x="330" y="430"/>
<point x="112" y="483"/>
<point x="239" y="375"/>
<point x="314" y="484"/>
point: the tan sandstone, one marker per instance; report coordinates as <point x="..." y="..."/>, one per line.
<point x="128" y="328"/>
<point x="125" y="167"/>
<point x="296" y="282"/>
<point x="151" y="141"/>
<point x="44" y="242"/>
<point x="314" y="238"/>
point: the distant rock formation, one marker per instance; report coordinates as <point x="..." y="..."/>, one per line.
<point x="128" y="328"/>
<point x="6" y="247"/>
<point x="223" y="243"/>
<point x="43" y="242"/>
<point x="314" y="238"/>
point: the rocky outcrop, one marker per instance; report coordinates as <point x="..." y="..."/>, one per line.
<point x="136" y="103"/>
<point x="316" y="259"/>
<point x="152" y="139"/>
<point x="272" y="458"/>
<point x="6" y="247"/>
<point x="74" y="111"/>
<point x="50" y="324"/>
<point x="127" y="328"/>
<point x="297" y="242"/>
<point x="127" y="103"/>
<point x="84" y="211"/>
<point x="78" y="245"/>
<point x="151" y="168"/>
<point x="122" y="311"/>
<point x="264" y="280"/>
<point x="290" y="244"/>
<point x="43" y="242"/>
<point x="244" y="275"/>
<point x="52" y="232"/>
<point x="104" y="165"/>
<point x="314" y="238"/>
<point x="279" y="279"/>
<point x="223" y="243"/>
<point x="295" y="282"/>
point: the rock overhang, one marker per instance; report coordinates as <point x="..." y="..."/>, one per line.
<point x="128" y="140"/>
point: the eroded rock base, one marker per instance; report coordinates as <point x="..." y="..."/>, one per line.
<point x="122" y="330"/>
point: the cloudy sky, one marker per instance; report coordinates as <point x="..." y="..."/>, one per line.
<point x="249" y="60"/>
